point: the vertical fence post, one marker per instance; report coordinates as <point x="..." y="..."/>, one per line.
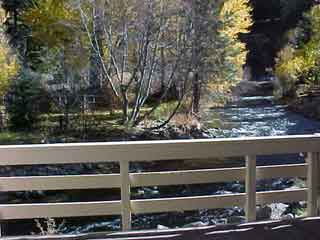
<point x="313" y="175"/>
<point x="250" y="207"/>
<point x="125" y="196"/>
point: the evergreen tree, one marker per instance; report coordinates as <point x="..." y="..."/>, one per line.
<point x="23" y="101"/>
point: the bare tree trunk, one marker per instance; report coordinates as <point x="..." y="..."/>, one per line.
<point x="163" y="70"/>
<point x="196" y="94"/>
<point x="196" y="56"/>
<point x="1" y="120"/>
<point x="96" y="69"/>
<point x="148" y="29"/>
<point x="66" y="119"/>
<point x="125" y="105"/>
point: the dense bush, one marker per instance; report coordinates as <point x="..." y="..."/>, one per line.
<point x="23" y="101"/>
<point x="298" y="62"/>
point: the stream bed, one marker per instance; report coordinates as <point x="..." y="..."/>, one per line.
<point x="259" y="116"/>
<point x="254" y="116"/>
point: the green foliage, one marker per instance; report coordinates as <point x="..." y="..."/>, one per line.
<point x="52" y="21"/>
<point x="8" y="61"/>
<point x="23" y="101"/>
<point x="13" y="138"/>
<point x="299" y="59"/>
<point x="131" y="44"/>
<point x="17" y="30"/>
<point x="166" y="109"/>
<point x="236" y="18"/>
<point x="55" y="25"/>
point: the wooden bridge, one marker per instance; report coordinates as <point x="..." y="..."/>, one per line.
<point x="125" y="153"/>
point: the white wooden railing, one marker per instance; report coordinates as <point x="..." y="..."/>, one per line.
<point x="126" y="152"/>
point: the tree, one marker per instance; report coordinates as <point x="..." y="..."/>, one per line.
<point x="291" y="10"/>
<point x="17" y="31"/>
<point x="135" y="31"/>
<point x="217" y="55"/>
<point x="299" y="60"/>
<point x="23" y="101"/>
<point x="236" y="20"/>
<point x="204" y="24"/>
<point x="8" y="63"/>
<point x="138" y="49"/>
<point x="62" y="57"/>
<point x="235" y="23"/>
<point x="96" y="70"/>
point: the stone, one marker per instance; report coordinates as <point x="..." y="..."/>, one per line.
<point x="254" y="88"/>
<point x="236" y="220"/>
<point x="161" y="227"/>
<point x="236" y="187"/>
<point x="287" y="217"/>
<point x="271" y="211"/>
<point x="196" y="224"/>
<point x="222" y="221"/>
<point x="264" y="213"/>
<point x="278" y="209"/>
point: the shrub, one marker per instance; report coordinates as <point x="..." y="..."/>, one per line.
<point x="23" y="101"/>
<point x="298" y="61"/>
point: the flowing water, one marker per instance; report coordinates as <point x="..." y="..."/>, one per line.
<point x="254" y="116"/>
<point x="260" y="116"/>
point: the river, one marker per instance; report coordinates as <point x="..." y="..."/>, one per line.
<point x="260" y="116"/>
<point x="253" y="116"/>
<point x="250" y="116"/>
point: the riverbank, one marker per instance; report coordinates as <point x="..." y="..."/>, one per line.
<point x="253" y="116"/>
<point x="307" y="105"/>
<point x="113" y="133"/>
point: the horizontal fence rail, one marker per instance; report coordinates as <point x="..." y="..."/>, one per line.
<point x="155" y="150"/>
<point x="126" y="152"/>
